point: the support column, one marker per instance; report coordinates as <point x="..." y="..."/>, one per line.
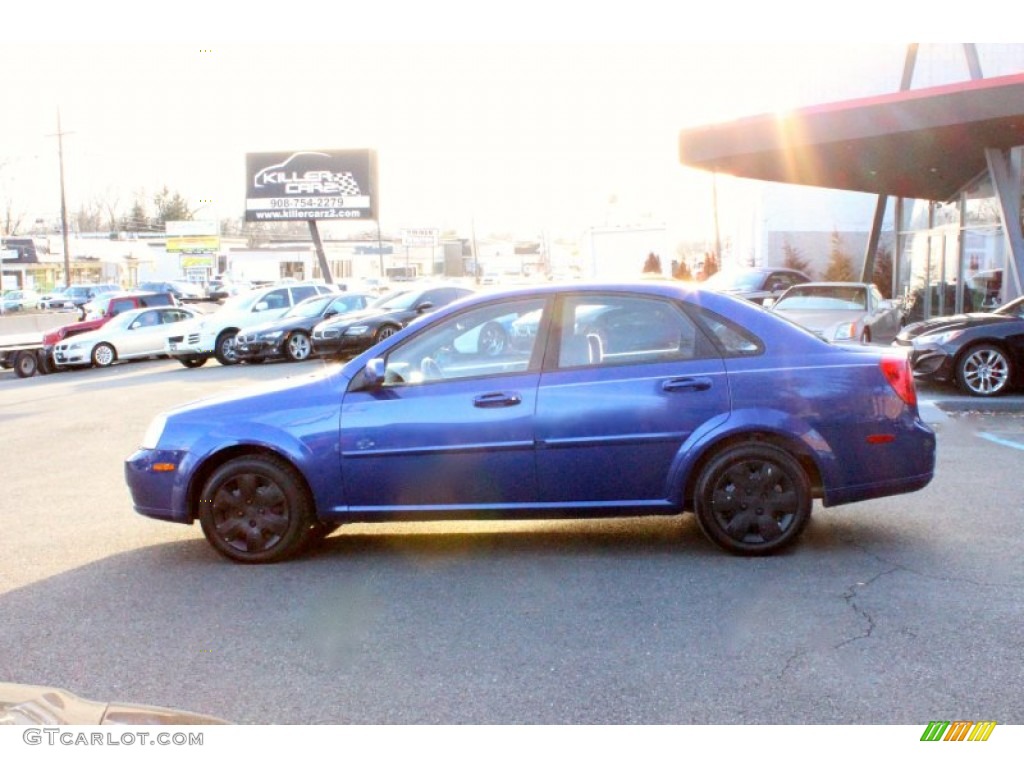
<point x="1008" y="195"/>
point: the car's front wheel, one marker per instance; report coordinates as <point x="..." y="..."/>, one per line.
<point x="753" y="499"/>
<point x="193" y="362"/>
<point x="384" y="332"/>
<point x="298" y="347"/>
<point x="255" y="509"/>
<point x="984" y="371"/>
<point x="103" y="355"/>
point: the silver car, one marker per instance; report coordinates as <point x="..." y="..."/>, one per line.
<point x="130" y="335"/>
<point x="846" y="312"/>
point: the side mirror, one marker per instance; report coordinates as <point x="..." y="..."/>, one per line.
<point x="330" y="313"/>
<point x="426" y="305"/>
<point x="373" y="373"/>
<point x="260" y="306"/>
<point x="768" y="303"/>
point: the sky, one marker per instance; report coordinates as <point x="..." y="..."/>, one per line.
<point x="524" y="118"/>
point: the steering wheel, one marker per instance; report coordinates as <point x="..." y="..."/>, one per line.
<point x="430" y="369"/>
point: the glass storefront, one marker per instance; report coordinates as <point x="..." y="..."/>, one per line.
<point x="952" y="255"/>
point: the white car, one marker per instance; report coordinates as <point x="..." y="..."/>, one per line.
<point x="214" y="335"/>
<point x="134" y="334"/>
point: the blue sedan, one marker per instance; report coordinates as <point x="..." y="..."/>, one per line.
<point x="644" y="399"/>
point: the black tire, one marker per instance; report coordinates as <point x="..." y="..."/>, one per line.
<point x="25" y="364"/>
<point x="193" y="362"/>
<point x="298" y="347"/>
<point x="492" y="340"/>
<point x="753" y="499"/>
<point x="103" y="355"/>
<point x="385" y="332"/>
<point x="45" y="362"/>
<point x="255" y="509"/>
<point x="224" y="349"/>
<point x="984" y="370"/>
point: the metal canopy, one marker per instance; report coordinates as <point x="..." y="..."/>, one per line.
<point x="926" y="143"/>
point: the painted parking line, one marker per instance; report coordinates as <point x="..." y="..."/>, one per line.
<point x="1001" y="440"/>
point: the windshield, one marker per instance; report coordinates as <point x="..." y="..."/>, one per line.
<point x="1014" y="309"/>
<point x="734" y="281"/>
<point x="310" y="307"/>
<point x="398" y="301"/>
<point x="242" y="302"/>
<point x="823" y="298"/>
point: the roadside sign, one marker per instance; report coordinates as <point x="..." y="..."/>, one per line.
<point x="8" y="254"/>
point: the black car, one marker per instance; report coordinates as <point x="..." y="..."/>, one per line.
<point x="289" y="335"/>
<point x="981" y="352"/>
<point x="755" y="284"/>
<point x="356" y="331"/>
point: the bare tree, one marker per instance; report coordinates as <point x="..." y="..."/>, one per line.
<point x="12" y="219"/>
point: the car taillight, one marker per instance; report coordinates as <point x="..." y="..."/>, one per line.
<point x="900" y="377"/>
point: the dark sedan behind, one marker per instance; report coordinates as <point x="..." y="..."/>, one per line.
<point x="981" y="352"/>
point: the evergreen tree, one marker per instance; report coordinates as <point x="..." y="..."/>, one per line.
<point x="840" y="267"/>
<point x="793" y="259"/>
<point x="882" y="276"/>
<point x="170" y="207"/>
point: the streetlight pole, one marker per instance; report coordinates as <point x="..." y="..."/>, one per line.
<point x="63" y="206"/>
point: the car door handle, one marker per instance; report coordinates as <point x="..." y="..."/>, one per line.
<point x="497" y="400"/>
<point x="686" y="384"/>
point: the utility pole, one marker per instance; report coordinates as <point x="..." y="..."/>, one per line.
<point x="63" y="206"/>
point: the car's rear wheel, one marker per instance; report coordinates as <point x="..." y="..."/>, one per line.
<point x="224" y="350"/>
<point x="298" y="347"/>
<point x="255" y="509"/>
<point x="103" y="355"/>
<point x="193" y="362"/>
<point x="984" y="371"/>
<point x="753" y="499"/>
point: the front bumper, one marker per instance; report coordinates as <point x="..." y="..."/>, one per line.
<point x="156" y="484"/>
<point x="257" y="349"/>
<point x="65" y="356"/>
<point x="189" y="345"/>
<point x="929" y="361"/>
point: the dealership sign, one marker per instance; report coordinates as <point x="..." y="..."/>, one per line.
<point x="192" y="236"/>
<point x="328" y="184"/>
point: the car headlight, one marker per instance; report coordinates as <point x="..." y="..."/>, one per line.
<point x="845" y="331"/>
<point x="271" y="335"/>
<point x="940" y="339"/>
<point x="154" y="432"/>
<point x="357" y="330"/>
<point x="74" y="345"/>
